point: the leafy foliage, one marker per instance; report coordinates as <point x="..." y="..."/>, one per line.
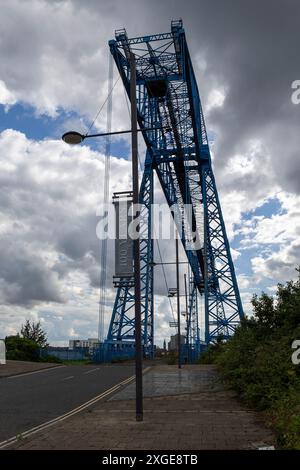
<point x="51" y="358"/>
<point x="257" y="361"/>
<point x="25" y="347"/>
<point x="21" y="349"/>
<point x="34" y="332"/>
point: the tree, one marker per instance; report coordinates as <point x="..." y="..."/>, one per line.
<point x="34" y="332"/>
<point x="165" y="346"/>
<point x="21" y="349"/>
<point x="264" y="310"/>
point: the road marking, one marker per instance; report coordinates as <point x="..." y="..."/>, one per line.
<point x="68" y="378"/>
<point x="90" y="371"/>
<point x="175" y="411"/>
<point x="73" y="412"/>
<point x="34" y="372"/>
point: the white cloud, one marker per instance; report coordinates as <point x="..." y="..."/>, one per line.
<point x="7" y="98"/>
<point x="280" y="233"/>
<point x="215" y="99"/>
<point x="50" y="263"/>
<point x="55" y="54"/>
<point x="49" y="250"/>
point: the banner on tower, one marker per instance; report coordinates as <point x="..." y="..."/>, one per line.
<point x="123" y="243"/>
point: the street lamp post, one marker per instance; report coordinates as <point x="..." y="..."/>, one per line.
<point x="74" y="138"/>
<point x="178" y="304"/>
<point x="187" y="317"/>
<point x="136" y="246"/>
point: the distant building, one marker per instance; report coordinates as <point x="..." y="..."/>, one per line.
<point x="78" y="343"/>
<point x="173" y="343"/>
<point x="89" y="344"/>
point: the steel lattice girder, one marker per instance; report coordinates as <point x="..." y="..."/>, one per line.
<point x="178" y="150"/>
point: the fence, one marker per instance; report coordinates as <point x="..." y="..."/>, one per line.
<point x="66" y="354"/>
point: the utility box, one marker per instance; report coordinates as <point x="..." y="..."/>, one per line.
<point x="2" y="352"/>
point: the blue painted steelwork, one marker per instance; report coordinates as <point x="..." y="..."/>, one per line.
<point x="120" y="336"/>
<point x="178" y="150"/>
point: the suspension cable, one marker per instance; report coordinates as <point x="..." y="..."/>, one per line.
<point x="109" y="95"/>
<point x="103" y="241"/>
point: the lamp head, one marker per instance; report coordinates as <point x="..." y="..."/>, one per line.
<point x="72" y="138"/>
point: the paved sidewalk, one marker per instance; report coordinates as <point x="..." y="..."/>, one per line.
<point x="23" y="367"/>
<point x="187" y="409"/>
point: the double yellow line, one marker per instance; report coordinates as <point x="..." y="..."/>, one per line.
<point x="73" y="412"/>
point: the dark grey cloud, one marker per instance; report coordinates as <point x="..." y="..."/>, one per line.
<point x="251" y="48"/>
<point x="24" y="277"/>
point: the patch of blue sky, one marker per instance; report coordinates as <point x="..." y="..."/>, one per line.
<point x="271" y="207"/>
<point x="243" y="264"/>
<point x="119" y="147"/>
<point x="24" y="118"/>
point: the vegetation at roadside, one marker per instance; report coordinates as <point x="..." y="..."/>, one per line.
<point x="75" y="362"/>
<point x="172" y="358"/>
<point x="257" y="361"/>
<point x="21" y="349"/>
<point x="34" y="332"/>
<point x="26" y="345"/>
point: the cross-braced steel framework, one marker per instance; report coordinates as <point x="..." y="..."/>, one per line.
<point x="178" y="151"/>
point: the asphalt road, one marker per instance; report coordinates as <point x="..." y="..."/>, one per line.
<point x="29" y="400"/>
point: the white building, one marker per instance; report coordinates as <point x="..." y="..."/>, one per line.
<point x="89" y="343"/>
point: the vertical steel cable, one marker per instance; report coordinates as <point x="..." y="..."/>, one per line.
<point x="103" y="241"/>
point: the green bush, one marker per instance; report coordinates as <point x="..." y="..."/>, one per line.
<point x="256" y="361"/>
<point x="21" y="349"/>
<point x="285" y="418"/>
<point x="172" y="358"/>
<point x="210" y="355"/>
<point x="51" y="358"/>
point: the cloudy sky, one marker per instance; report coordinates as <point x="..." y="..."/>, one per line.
<point x="53" y="77"/>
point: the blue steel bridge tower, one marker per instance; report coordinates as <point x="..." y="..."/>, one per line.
<point x="178" y="151"/>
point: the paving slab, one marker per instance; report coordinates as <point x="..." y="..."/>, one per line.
<point x="169" y="380"/>
<point x="189" y="410"/>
